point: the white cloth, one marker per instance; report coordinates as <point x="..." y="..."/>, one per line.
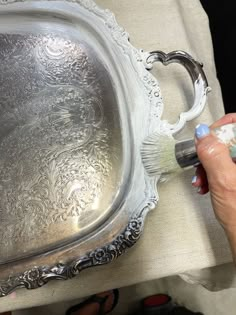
<point x="182" y="233"/>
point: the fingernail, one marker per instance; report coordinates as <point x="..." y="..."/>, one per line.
<point x="201" y="131"/>
<point x="194" y="179"/>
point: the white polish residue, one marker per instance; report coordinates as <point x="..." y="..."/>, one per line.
<point x="226" y="133"/>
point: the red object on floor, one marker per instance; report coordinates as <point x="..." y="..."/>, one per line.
<point x="156" y="300"/>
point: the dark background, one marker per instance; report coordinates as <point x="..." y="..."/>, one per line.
<point x="222" y="18"/>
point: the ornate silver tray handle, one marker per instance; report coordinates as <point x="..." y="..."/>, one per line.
<point x="76" y="102"/>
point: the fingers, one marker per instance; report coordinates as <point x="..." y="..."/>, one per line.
<point x="217" y="173"/>
<point x="200" y="180"/>
<point x="200" y="177"/>
<point x="213" y="154"/>
<point x="203" y="190"/>
<point x="227" y="119"/>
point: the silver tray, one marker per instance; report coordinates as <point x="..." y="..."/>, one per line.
<point x="76" y="103"/>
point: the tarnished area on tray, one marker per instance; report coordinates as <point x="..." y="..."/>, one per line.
<point x="60" y="142"/>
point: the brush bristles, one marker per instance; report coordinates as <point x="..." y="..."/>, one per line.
<point x="158" y="155"/>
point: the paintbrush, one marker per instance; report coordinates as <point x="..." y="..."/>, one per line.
<point x="162" y="154"/>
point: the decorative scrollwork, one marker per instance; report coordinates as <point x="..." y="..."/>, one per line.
<point x="39" y="276"/>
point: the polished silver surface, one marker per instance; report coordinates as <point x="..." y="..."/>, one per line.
<point x="76" y="103"/>
<point x="60" y="142"/>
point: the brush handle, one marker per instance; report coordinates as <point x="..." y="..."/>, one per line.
<point x="227" y="134"/>
<point x="185" y="151"/>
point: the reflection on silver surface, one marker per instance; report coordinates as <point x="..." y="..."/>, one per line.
<point x="60" y="142"/>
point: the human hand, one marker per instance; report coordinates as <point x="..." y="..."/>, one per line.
<point x="217" y="174"/>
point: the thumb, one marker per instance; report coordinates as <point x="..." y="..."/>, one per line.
<point x="213" y="154"/>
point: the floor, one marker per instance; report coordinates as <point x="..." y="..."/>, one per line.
<point x="194" y="297"/>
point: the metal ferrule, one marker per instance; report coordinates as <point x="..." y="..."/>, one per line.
<point x="186" y="154"/>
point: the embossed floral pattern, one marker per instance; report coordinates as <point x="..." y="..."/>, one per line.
<point x="38" y="276"/>
<point x="55" y="141"/>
